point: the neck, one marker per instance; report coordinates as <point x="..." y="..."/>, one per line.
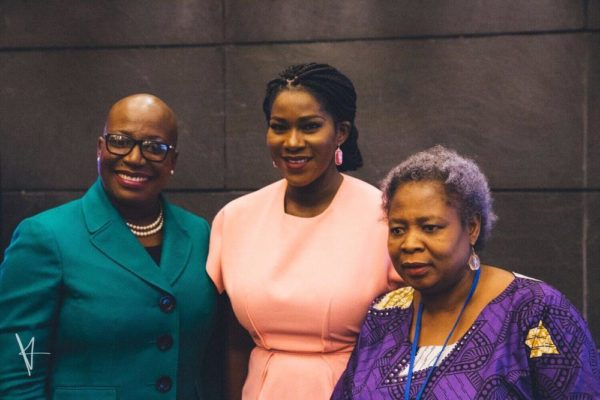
<point x="451" y="299"/>
<point x="311" y="200"/>
<point x="139" y="214"/>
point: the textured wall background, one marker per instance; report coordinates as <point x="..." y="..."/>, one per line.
<point x="514" y="84"/>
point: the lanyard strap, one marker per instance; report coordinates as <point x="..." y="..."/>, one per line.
<point x="413" y="348"/>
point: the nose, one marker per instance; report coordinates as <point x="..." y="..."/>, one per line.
<point x="294" y="139"/>
<point x="411" y="242"/>
<point x="135" y="155"/>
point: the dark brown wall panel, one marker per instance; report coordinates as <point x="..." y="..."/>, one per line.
<point x="593" y="263"/>
<point x="514" y="102"/>
<point x="54" y="104"/>
<point x="35" y="23"/>
<point x="254" y="21"/>
<point x="593" y="113"/>
<point x="539" y="235"/>
<point x="514" y="84"/>
<point x="205" y="204"/>
<point x="593" y="14"/>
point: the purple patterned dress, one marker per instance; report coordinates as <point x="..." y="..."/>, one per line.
<point x="529" y="343"/>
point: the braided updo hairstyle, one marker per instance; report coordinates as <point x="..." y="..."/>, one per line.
<point x="334" y="91"/>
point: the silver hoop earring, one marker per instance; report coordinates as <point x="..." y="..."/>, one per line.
<point x="474" y="262"/>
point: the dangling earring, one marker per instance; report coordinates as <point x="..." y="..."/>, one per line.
<point x="274" y="164"/>
<point x="474" y="262"/>
<point x="338" y="156"/>
<point x="172" y="172"/>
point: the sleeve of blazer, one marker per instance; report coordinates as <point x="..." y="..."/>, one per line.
<point x="30" y="280"/>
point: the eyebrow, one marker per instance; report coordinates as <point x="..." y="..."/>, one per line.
<point x="396" y="220"/>
<point x="304" y="118"/>
<point x="419" y="220"/>
<point x="154" y="138"/>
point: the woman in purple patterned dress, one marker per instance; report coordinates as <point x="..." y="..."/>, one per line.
<point x="461" y="331"/>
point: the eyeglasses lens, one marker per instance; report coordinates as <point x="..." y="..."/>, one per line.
<point x="119" y="144"/>
<point x="154" y="151"/>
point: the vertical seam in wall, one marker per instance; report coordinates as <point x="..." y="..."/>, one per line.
<point x="585" y="216"/>
<point x="224" y="93"/>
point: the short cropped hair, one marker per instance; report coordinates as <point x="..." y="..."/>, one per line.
<point x="466" y="186"/>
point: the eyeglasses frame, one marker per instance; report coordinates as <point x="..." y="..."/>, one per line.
<point x="136" y="143"/>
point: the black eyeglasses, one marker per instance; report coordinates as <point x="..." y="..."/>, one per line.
<point x="120" y="144"/>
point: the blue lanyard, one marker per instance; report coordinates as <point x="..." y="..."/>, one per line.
<point x="413" y="349"/>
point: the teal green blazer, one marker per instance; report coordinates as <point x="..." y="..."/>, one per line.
<point x="85" y="313"/>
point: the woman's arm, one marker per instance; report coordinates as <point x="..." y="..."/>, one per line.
<point x="30" y="279"/>
<point x="563" y="358"/>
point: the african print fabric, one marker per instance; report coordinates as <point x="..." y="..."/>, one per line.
<point x="529" y="343"/>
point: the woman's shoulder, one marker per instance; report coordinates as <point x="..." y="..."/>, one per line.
<point x="256" y="198"/>
<point x="399" y="299"/>
<point x="531" y="300"/>
<point x="388" y="314"/>
<point x="534" y="290"/>
<point x="359" y="187"/>
<point x="359" y="199"/>
<point x="56" y="218"/>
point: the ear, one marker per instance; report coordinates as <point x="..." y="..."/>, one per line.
<point x="474" y="226"/>
<point x="342" y="131"/>
<point x="99" y="147"/>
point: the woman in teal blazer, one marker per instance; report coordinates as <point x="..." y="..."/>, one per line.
<point x="107" y="297"/>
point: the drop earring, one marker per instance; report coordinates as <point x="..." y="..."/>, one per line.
<point x="474" y="262"/>
<point x="274" y="164"/>
<point x="338" y="156"/>
<point x="172" y="172"/>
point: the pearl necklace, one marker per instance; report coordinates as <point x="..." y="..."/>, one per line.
<point x="147" y="230"/>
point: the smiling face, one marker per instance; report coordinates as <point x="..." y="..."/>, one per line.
<point x="302" y="138"/>
<point x="131" y="180"/>
<point x="427" y="241"/>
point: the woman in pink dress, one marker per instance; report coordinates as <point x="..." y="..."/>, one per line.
<point x="301" y="259"/>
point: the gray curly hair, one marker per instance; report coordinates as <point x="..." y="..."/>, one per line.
<point x="465" y="184"/>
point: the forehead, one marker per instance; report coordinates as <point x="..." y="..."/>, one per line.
<point x="299" y="101"/>
<point x="142" y="119"/>
<point x="420" y="198"/>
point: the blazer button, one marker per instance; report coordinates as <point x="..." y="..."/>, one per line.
<point x="166" y="303"/>
<point x="164" y="384"/>
<point x="164" y="342"/>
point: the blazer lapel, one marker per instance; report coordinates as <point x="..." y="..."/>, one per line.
<point x="110" y="235"/>
<point x="177" y="246"/>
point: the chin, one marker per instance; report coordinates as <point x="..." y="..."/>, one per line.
<point x="297" y="181"/>
<point x="423" y="285"/>
<point x="128" y="198"/>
